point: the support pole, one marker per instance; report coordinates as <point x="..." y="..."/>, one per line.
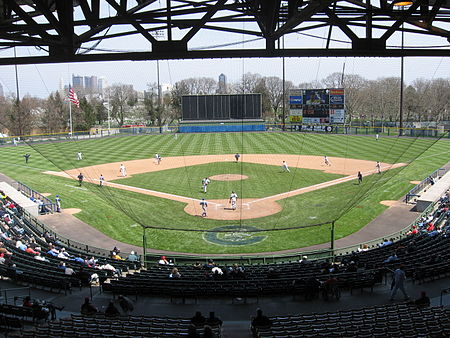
<point x="332" y="240"/>
<point x="144" y="246"/>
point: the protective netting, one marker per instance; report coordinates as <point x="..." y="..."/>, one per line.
<point x="306" y="192"/>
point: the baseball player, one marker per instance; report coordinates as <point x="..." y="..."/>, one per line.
<point x="377" y="137"/>
<point x="123" y="170"/>
<point x="27" y="157"/>
<point x="204" y="206"/>
<point x="360" y="177"/>
<point x="58" y="203"/>
<point x="157" y="158"/>
<point x="205" y="183"/>
<point x="285" y="167"/>
<point x="236" y="156"/>
<point x="326" y="160"/>
<point x="79" y="156"/>
<point x="80" y="179"/>
<point x="101" y="180"/>
<point x="233" y="200"/>
<point x="378" y="166"/>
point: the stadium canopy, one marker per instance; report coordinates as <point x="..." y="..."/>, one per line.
<point x="72" y="31"/>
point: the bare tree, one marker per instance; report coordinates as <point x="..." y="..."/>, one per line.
<point x="55" y="114"/>
<point x="123" y="98"/>
<point x="21" y="116"/>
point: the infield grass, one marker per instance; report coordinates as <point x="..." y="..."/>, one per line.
<point x="116" y="213"/>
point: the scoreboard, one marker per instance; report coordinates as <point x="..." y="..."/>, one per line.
<point x="317" y="106"/>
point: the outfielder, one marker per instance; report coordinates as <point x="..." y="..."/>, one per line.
<point x="123" y="170"/>
<point x="233" y="200"/>
<point x="326" y="160"/>
<point x="79" y="156"/>
<point x="204" y="206"/>
<point x="205" y="183"/>
<point x="285" y="167"/>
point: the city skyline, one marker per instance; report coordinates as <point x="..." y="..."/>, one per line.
<point x="41" y="80"/>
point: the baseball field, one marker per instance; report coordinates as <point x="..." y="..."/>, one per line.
<point x="276" y="209"/>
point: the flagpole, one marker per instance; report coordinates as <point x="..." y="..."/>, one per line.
<point x="70" y="118"/>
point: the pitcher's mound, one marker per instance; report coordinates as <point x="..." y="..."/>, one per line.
<point x="228" y="177"/>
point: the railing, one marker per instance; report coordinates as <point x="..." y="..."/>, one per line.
<point x="414" y="192"/>
<point x="47" y="202"/>
<point x="14" y="293"/>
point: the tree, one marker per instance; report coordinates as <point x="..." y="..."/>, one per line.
<point x="55" y="114"/>
<point x="122" y="99"/>
<point x="21" y="116"/>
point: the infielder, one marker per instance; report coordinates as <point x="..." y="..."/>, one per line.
<point x="285" y="167"/>
<point x="79" y="156"/>
<point x="157" y="158"/>
<point x="205" y="183"/>
<point x="326" y="160"/>
<point x="80" y="179"/>
<point x="378" y="166"/>
<point x="123" y="170"/>
<point x="233" y="200"/>
<point x="204" y="206"/>
<point x="101" y="180"/>
<point x="236" y="156"/>
<point x="360" y="177"/>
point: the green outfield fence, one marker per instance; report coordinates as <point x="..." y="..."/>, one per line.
<point x="170" y="129"/>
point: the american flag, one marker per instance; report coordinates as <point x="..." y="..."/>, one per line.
<point x="74" y="98"/>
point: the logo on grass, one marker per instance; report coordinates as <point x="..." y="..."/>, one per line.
<point x="234" y="235"/>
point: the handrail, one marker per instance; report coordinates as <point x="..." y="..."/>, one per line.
<point x="26" y="190"/>
<point x="425" y="183"/>
<point x="5" y="291"/>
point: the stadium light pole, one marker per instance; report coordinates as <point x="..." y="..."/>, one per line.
<point x="402" y="5"/>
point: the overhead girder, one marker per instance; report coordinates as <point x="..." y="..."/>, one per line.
<point x="66" y="29"/>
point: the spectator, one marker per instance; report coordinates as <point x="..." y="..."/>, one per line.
<point x="198" y="319"/>
<point x="111" y="310"/>
<point x="260" y="321"/>
<point x="213" y="320"/>
<point x="40" y="258"/>
<point x="423" y="300"/>
<point x="163" y="261"/>
<point x="386" y="242"/>
<point x="174" y="273"/>
<point x="116" y="256"/>
<point x="88" y="308"/>
<point x="27" y="302"/>
<point x="399" y="282"/>
<point x="391" y="258"/>
<point x="305" y="260"/>
<point x="133" y="257"/>
<point x="208" y="332"/>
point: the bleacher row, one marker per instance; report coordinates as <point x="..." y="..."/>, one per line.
<point x="117" y="327"/>
<point x="398" y="320"/>
<point x="21" y="266"/>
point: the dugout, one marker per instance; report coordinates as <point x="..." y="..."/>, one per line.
<point x="221" y="113"/>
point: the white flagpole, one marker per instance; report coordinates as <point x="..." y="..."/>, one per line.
<point x="70" y="117"/>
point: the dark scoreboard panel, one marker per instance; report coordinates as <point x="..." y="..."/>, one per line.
<point x="221" y="107"/>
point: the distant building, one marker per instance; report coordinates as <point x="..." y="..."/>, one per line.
<point x="91" y="84"/>
<point x="77" y="82"/>
<point x="102" y="84"/>
<point x="1" y="91"/>
<point x="222" y="88"/>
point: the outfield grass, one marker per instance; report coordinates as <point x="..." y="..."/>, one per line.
<point x="119" y="213"/>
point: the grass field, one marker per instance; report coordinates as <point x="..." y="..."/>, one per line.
<point x="116" y="213"/>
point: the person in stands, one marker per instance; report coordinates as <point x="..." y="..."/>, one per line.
<point x="88" y="308"/>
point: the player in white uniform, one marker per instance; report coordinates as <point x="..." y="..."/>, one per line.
<point x="204" y="206"/>
<point x="377" y="137"/>
<point x="101" y="180"/>
<point x="205" y="183"/>
<point x="378" y="166"/>
<point x="233" y="200"/>
<point x="157" y="158"/>
<point x="123" y="170"/>
<point x="285" y="167"/>
<point x="326" y="160"/>
<point x="79" y="156"/>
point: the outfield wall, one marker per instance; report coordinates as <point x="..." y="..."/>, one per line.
<point x="219" y="128"/>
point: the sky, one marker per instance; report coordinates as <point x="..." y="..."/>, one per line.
<point x="40" y="80"/>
